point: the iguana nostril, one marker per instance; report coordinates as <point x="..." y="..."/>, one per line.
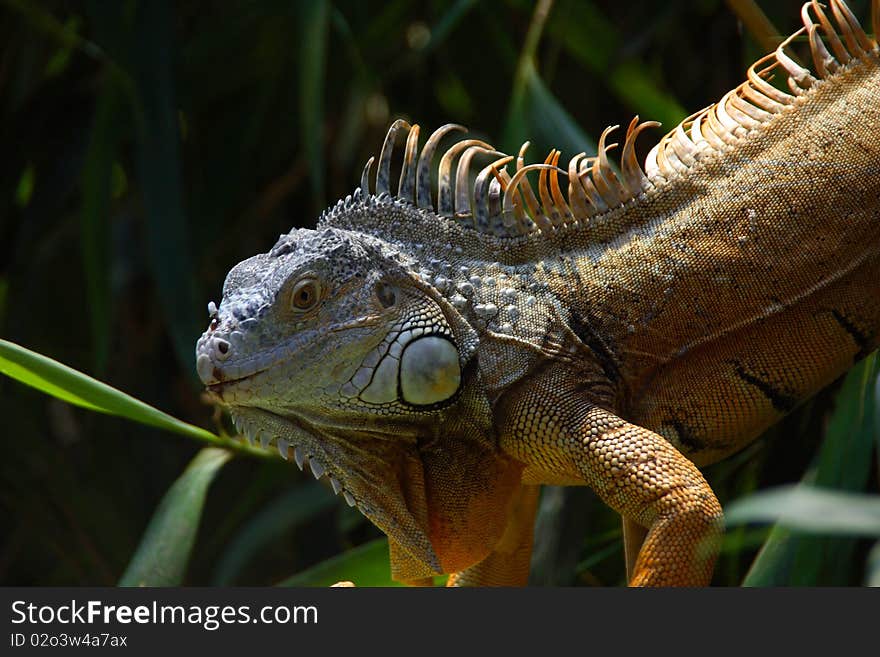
<point x="221" y="349"/>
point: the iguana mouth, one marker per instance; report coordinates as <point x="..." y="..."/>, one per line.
<point x="217" y="388"/>
<point x="253" y="432"/>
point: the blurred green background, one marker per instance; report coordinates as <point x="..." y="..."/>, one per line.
<point x="148" y="146"/>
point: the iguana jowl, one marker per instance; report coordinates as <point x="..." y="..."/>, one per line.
<point x="437" y="357"/>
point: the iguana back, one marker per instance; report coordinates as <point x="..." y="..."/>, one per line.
<point x="750" y="278"/>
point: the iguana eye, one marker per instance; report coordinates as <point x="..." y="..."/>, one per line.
<point x="305" y="295"/>
<point x="385" y="294"/>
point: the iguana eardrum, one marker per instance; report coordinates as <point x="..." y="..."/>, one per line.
<point x="437" y="357"/>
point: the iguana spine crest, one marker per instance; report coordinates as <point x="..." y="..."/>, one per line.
<point x="499" y="204"/>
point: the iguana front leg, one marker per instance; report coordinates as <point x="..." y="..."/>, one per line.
<point x="554" y="426"/>
<point x="633" y="539"/>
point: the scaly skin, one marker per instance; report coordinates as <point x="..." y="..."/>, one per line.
<point x="438" y="365"/>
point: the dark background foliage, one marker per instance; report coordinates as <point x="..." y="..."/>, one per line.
<point x="148" y="146"/>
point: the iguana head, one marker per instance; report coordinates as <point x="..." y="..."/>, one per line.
<point x="337" y="348"/>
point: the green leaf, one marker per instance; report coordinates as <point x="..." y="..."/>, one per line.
<point x="844" y="462"/>
<point x="595" y="43"/>
<point x="165" y="548"/>
<point x="877" y="422"/>
<point x="447" y="23"/>
<point x="76" y="388"/>
<point x="97" y="176"/>
<point x="314" y="21"/>
<point x="289" y="511"/>
<point x="538" y="116"/>
<point x="365" y="565"/>
<point x="42" y="20"/>
<point x="807" y="509"/>
<point x="25" y="189"/>
<point x="534" y="113"/>
<point x="873" y="574"/>
<point x="159" y="171"/>
<point x="756" y="23"/>
<point x="632" y="86"/>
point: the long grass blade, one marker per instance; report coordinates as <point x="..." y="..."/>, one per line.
<point x="595" y="43"/>
<point x="873" y="570"/>
<point x="843" y="463"/>
<point x="314" y="22"/>
<point x="164" y="552"/>
<point x="74" y="387"/>
<point x="365" y="565"/>
<point x="97" y="176"/>
<point x="808" y="509"/>
<point x="287" y="512"/>
<point x="159" y="168"/>
<point x="534" y="112"/>
<point x="756" y="23"/>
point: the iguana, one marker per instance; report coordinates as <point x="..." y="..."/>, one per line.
<point x="439" y="349"/>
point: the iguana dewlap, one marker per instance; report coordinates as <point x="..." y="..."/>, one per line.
<point x="440" y="348"/>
